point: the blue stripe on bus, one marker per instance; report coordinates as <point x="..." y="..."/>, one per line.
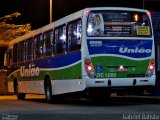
<point x="57" y="61"/>
<point x="129" y="48"/>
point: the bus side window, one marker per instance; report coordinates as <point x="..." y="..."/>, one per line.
<point x="21" y="52"/>
<point x="74" y="36"/>
<point x="60" y="40"/>
<point x="29" y="49"/>
<point x="52" y="42"/>
<point x="47" y="44"/>
<point x="38" y="45"/>
<point x="15" y="54"/>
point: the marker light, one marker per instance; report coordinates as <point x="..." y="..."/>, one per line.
<point x="136" y="17"/>
<point x="87" y="12"/>
<point x="148" y="13"/>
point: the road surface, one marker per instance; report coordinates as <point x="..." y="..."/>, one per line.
<point x="117" y="108"/>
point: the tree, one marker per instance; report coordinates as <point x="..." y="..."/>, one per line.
<point x="11" y="31"/>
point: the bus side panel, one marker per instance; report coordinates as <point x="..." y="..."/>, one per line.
<point x="61" y="69"/>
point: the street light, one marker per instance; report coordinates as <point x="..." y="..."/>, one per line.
<point x="50" y="11"/>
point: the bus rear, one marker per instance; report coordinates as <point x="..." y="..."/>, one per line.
<point x="119" y="49"/>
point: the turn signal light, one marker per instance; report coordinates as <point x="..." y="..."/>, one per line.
<point x="152" y="61"/>
<point x="87" y="62"/>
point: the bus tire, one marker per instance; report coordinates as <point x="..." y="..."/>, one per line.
<point x="20" y="96"/>
<point x="48" y="90"/>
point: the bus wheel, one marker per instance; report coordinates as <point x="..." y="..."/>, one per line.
<point x="48" y="90"/>
<point x="20" y="96"/>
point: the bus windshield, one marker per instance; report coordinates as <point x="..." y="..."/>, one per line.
<point x="116" y="23"/>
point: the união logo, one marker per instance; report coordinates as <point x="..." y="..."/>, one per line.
<point x="31" y="71"/>
<point x="134" y="50"/>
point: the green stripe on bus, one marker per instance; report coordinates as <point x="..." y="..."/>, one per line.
<point x="73" y="72"/>
<point x="110" y="64"/>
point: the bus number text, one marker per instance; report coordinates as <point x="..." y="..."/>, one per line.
<point x="108" y="75"/>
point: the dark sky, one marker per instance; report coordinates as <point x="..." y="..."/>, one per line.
<point x="36" y="12"/>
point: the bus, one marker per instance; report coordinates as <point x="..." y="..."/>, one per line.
<point x="94" y="52"/>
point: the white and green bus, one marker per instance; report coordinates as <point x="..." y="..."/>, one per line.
<point x="95" y="51"/>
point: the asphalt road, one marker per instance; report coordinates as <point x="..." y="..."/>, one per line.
<point x="117" y="108"/>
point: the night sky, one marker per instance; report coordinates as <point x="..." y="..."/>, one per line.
<point x="36" y="12"/>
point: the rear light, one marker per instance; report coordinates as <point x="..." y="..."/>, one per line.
<point x="151" y="67"/>
<point x="89" y="68"/>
